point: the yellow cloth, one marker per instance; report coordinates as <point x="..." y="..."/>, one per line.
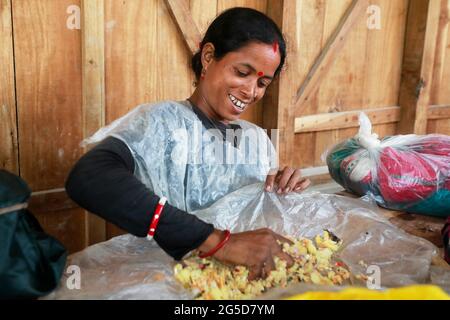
<point x="416" y="292"/>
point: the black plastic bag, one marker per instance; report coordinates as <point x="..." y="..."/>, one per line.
<point x="31" y="262"/>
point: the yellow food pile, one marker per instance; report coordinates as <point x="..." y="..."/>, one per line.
<point x="210" y="279"/>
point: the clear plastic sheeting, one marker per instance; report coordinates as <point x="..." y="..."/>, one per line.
<point x="127" y="267"/>
<point x="176" y="157"/>
<point x="403" y="172"/>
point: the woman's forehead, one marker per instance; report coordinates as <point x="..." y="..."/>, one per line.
<point x="259" y="56"/>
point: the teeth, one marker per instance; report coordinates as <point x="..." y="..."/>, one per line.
<point x="237" y="102"/>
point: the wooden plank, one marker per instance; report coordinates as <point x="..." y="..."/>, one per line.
<point x="444" y="93"/>
<point x="346" y="119"/>
<point x="179" y="10"/>
<point x="48" y="86"/>
<point x="278" y="115"/>
<point x="314" y="23"/>
<point x="93" y="66"/>
<point x="439" y="126"/>
<point x="8" y="124"/>
<point x="46" y="202"/>
<point x="93" y="92"/>
<point x="429" y="55"/>
<point x="349" y="119"/>
<point x="383" y="62"/>
<point x="440" y="68"/>
<point x="329" y="53"/>
<point x="49" y="100"/>
<point x="441" y="78"/>
<point x="138" y="35"/>
<point x="260" y="5"/>
<point x="203" y="13"/>
<point x="342" y="86"/>
<point x="384" y="55"/>
<point x="438" y="112"/>
<point x="439" y="119"/>
<point x="418" y="63"/>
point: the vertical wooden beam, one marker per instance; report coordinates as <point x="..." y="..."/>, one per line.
<point x="441" y="63"/>
<point x="278" y="111"/>
<point x="179" y="9"/>
<point x="441" y="75"/>
<point x="8" y="121"/>
<point x="93" y="84"/>
<point x="418" y="63"/>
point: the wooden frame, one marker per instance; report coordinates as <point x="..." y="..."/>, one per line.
<point x="179" y="10"/>
<point x="93" y="81"/>
<point x="331" y="50"/>
<point x="9" y="149"/>
<point x="349" y="119"/>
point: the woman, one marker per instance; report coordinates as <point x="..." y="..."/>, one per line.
<point x="148" y="153"/>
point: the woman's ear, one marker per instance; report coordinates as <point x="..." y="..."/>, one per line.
<point x="207" y="55"/>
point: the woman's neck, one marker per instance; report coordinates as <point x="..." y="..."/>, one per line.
<point x="198" y="99"/>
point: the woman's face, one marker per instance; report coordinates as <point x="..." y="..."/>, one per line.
<point x="238" y="80"/>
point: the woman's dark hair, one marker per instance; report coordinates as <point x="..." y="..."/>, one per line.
<point x="234" y="29"/>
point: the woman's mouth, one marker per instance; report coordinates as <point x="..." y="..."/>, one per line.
<point x="240" y="105"/>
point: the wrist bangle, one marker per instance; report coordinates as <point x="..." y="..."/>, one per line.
<point x="216" y="248"/>
<point x="156" y="216"/>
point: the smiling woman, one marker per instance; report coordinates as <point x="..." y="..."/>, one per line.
<point x="241" y="53"/>
<point x="138" y="178"/>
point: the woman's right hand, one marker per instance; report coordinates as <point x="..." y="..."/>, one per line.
<point x="254" y="249"/>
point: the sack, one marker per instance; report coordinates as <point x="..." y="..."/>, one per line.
<point x="404" y="172"/>
<point x="31" y="262"/>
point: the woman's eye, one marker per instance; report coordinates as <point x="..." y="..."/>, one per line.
<point x="263" y="84"/>
<point x="240" y="73"/>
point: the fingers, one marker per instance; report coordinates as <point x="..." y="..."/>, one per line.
<point x="294" y="180"/>
<point x="254" y="273"/>
<point x="289" y="260"/>
<point x="284" y="179"/>
<point x="270" y="180"/>
<point x="302" y="185"/>
<point x="256" y="250"/>
<point x="278" y="250"/>
<point x="283" y="239"/>
<point x="275" y="247"/>
<point x="268" y="266"/>
<point x="262" y="269"/>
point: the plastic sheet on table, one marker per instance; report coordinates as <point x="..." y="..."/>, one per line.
<point x="127" y="267"/>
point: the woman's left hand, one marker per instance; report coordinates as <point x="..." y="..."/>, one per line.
<point x="286" y="180"/>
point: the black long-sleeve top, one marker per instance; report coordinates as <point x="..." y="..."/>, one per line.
<point x="102" y="182"/>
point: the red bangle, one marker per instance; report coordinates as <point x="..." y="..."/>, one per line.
<point x="216" y="248"/>
<point x="156" y="216"/>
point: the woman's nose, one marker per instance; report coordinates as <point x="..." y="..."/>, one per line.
<point x="249" y="90"/>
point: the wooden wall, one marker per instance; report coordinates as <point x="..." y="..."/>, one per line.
<point x="440" y="92"/>
<point x="364" y="75"/>
<point x="58" y="84"/>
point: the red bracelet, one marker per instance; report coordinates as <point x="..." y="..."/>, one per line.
<point x="156" y="216"/>
<point x="216" y="248"/>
